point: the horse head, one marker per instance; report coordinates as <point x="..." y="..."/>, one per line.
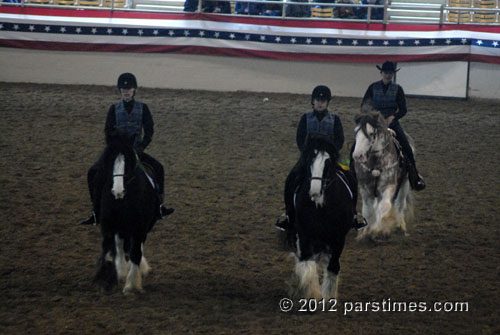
<point x="120" y="162"/>
<point x="370" y="130"/>
<point x="320" y="157"/>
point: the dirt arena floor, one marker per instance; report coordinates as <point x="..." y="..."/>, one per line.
<point x="217" y="265"/>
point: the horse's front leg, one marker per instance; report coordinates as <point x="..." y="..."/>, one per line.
<point x="122" y="266"/>
<point x="369" y="203"/>
<point x="106" y="276"/>
<point x="305" y="283"/>
<point x="386" y="220"/>
<point x="329" y="288"/>
<point x="134" y="277"/>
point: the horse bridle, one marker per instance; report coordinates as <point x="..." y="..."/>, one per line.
<point x="138" y="164"/>
<point x="325" y="182"/>
<point x="370" y="150"/>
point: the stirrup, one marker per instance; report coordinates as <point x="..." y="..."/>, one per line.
<point x="359" y="225"/>
<point x="417" y="183"/>
<point x="282" y="222"/>
<point x="164" y="211"/>
<point x="91" y="220"/>
<point x="420" y="184"/>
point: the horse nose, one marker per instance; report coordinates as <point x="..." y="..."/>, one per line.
<point x="118" y="194"/>
<point x="314" y="196"/>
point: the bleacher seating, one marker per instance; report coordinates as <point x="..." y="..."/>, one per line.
<point x="484" y="16"/>
<point x="459" y="16"/>
<point x="89" y="3"/>
<point x="399" y="11"/>
<point x="422" y="15"/>
<point x="166" y="5"/>
<point x="65" y="2"/>
<point x="115" y="3"/>
<point x="322" y="12"/>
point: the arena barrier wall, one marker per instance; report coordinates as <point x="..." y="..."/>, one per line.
<point x="197" y="51"/>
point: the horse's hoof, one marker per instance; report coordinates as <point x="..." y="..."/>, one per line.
<point x="129" y="290"/>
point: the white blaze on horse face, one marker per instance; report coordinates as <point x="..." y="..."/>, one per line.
<point x="317" y="167"/>
<point x="362" y="143"/>
<point x="118" y="188"/>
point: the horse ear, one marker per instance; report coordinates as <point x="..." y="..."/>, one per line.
<point x="367" y="106"/>
<point x="357" y="117"/>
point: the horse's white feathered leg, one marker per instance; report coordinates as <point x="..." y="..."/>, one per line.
<point x="134" y="279"/>
<point x="144" y="266"/>
<point x="385" y="212"/>
<point x="329" y="288"/>
<point x="368" y="211"/>
<point x="404" y="205"/>
<point x="307" y="272"/>
<point x="122" y="266"/>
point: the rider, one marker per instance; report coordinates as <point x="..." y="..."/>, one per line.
<point x="318" y="122"/>
<point x="389" y="99"/>
<point x="129" y="117"/>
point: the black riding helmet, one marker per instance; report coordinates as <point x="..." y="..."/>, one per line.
<point x="321" y="92"/>
<point x="127" y="80"/>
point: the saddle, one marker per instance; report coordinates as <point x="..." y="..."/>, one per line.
<point x="150" y="174"/>
<point x="402" y="160"/>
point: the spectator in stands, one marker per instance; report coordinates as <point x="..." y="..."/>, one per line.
<point x="190" y="5"/>
<point x="298" y="10"/>
<point x="376" y="13"/>
<point x="223" y="7"/>
<point x="248" y="8"/>
<point x="208" y="6"/>
<point x="346" y="12"/>
<point x="273" y="9"/>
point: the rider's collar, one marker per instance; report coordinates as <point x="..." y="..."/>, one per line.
<point x="320" y="115"/>
<point x="130" y="102"/>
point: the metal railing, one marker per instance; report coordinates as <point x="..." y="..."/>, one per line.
<point x="442" y="9"/>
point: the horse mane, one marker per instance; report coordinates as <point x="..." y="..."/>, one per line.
<point x="321" y="143"/>
<point x="116" y="144"/>
<point x="369" y="115"/>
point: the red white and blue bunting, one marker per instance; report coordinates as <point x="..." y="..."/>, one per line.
<point x="103" y="31"/>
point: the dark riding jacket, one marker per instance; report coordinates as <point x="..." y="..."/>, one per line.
<point x="326" y="124"/>
<point x="128" y="117"/>
<point x="388" y="99"/>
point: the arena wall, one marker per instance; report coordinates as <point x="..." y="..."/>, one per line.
<point x="219" y="73"/>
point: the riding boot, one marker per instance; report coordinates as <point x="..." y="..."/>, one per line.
<point x="91" y="220"/>
<point x="357" y="223"/>
<point x="287" y="219"/>
<point x="164" y="211"/>
<point x="416" y="181"/>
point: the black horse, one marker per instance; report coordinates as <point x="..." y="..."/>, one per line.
<point x="324" y="210"/>
<point x="129" y="204"/>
